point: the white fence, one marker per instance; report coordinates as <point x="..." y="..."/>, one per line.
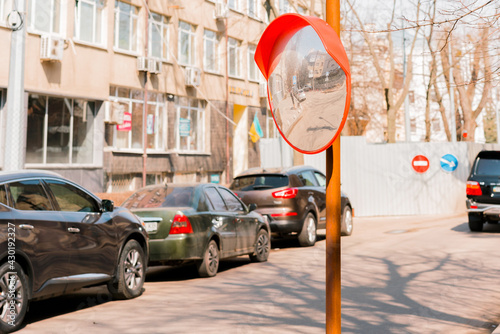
<point x="379" y="178"/>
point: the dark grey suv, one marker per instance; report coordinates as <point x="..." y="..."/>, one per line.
<point x="56" y="237"/>
<point x="293" y="199"/>
<point x="483" y="190"/>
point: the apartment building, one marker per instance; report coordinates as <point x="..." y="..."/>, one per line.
<point x="115" y="90"/>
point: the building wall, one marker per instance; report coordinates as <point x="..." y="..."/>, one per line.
<point x="88" y="71"/>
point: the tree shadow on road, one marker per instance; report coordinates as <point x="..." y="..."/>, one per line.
<point x="387" y="301"/>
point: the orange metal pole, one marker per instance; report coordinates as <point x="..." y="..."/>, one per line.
<point x="333" y="268"/>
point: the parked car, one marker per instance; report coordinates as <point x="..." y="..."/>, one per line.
<point x="301" y="96"/>
<point x="57" y="237"/>
<point x="200" y="223"/>
<point x="483" y="190"/>
<point x="293" y="199"/>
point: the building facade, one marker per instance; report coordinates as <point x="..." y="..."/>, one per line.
<point x="124" y="93"/>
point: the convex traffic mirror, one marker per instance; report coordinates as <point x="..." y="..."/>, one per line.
<point x="307" y="73"/>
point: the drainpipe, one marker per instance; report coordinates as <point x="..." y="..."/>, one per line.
<point x="227" y="106"/>
<point x="145" y="107"/>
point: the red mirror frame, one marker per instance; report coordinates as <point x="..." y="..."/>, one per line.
<point x="273" y="42"/>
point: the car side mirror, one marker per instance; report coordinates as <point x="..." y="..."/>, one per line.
<point x="252" y="207"/>
<point x="107" y="205"/>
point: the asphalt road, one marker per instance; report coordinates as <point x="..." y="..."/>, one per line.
<point x="399" y="275"/>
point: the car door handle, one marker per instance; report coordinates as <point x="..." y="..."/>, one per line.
<point x="26" y="227"/>
<point x="73" y="230"/>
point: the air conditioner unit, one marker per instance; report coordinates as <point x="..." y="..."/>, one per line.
<point x="113" y="112"/>
<point x="263" y="89"/>
<point x="142" y="64"/>
<point x="154" y="65"/>
<point x="51" y="48"/>
<point x="193" y="76"/>
<point x="220" y="11"/>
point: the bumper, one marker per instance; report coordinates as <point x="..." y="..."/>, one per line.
<point x="173" y="248"/>
<point x="285" y="226"/>
<point x="487" y="211"/>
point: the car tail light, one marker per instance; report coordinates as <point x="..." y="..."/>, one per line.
<point x="473" y="188"/>
<point x="287" y="193"/>
<point x="180" y="225"/>
<point x="284" y="214"/>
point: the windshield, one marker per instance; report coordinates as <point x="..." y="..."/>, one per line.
<point x="164" y="197"/>
<point x="487" y="167"/>
<point x="259" y="182"/>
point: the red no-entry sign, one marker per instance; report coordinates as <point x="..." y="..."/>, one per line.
<point x="420" y="163"/>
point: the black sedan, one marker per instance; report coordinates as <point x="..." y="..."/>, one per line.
<point x="200" y="223"/>
<point x="56" y="237"/>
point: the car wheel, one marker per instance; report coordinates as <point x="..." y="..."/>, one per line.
<point x="346" y="228"/>
<point x="307" y="237"/>
<point x="475" y="223"/>
<point x="13" y="297"/>
<point x="130" y="273"/>
<point x="262" y="247"/>
<point x="210" y="263"/>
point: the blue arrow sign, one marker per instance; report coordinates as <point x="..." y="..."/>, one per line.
<point x="449" y="162"/>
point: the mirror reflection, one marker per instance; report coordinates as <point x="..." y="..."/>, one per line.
<point x="308" y="92"/>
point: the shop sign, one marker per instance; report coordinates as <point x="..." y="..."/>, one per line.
<point x="127" y="122"/>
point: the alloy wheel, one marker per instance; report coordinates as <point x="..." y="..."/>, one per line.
<point x="10" y="294"/>
<point x="133" y="269"/>
<point x="213" y="258"/>
<point x="262" y="245"/>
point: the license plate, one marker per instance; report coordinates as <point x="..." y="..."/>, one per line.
<point x="151" y="227"/>
<point x="496" y="189"/>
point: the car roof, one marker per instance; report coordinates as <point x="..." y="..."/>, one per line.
<point x="180" y="185"/>
<point x="276" y="170"/>
<point x="489" y="154"/>
<point x="26" y="173"/>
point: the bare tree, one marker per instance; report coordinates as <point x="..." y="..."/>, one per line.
<point x="394" y="98"/>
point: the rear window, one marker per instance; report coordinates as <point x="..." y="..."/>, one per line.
<point x="161" y="197"/>
<point x="487" y="167"/>
<point x="259" y="182"/>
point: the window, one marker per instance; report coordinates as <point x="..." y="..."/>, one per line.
<point x="271" y="130"/>
<point x="3" y="195"/>
<point x="253" y="71"/>
<point x="215" y="199"/>
<point x="5" y="8"/>
<point x="125" y="27"/>
<point x="307" y="179"/>
<point x="285" y="7"/>
<point x="259" y="182"/>
<point x="234" y="63"/>
<point x="70" y="198"/>
<point x="161" y="197"/>
<point x="187" y="44"/>
<point x="60" y="130"/>
<point x="211" y="51"/>
<point x="89" y="21"/>
<point x="232" y="203"/>
<point x="321" y="179"/>
<point x="129" y="134"/>
<point x="45" y="16"/>
<point x="29" y="195"/>
<point x="189" y="126"/>
<point x="253" y="8"/>
<point x="234" y="5"/>
<point x="158" y="36"/>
